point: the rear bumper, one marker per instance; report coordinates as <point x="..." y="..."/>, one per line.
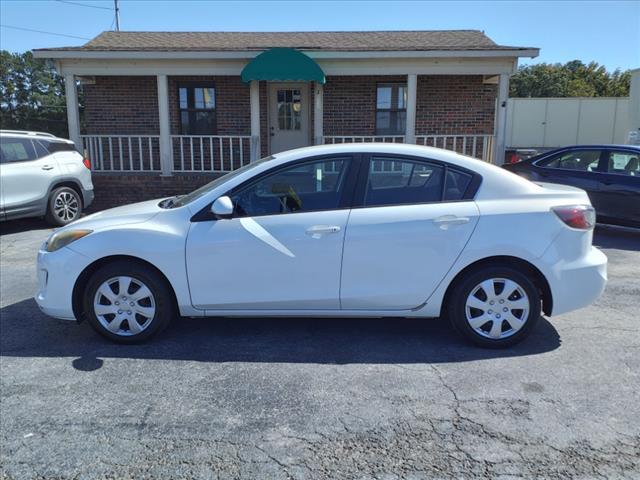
<point x="87" y="197"/>
<point x="577" y="283"/>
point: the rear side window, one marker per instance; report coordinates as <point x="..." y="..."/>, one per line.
<point x="399" y="181"/>
<point x="624" y="163"/>
<point x="582" y="160"/>
<point x="456" y="184"/>
<point x="60" y="147"/>
<point x="17" y="150"/>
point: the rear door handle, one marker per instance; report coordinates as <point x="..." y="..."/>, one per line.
<point x="317" y="230"/>
<point x="47" y="167"/>
<point x="447" y="220"/>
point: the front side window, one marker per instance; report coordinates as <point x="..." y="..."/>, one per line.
<point x="391" y="109"/>
<point x="197" y="105"/>
<point x="17" y="150"/>
<point x="303" y="187"/>
<point x="624" y="163"/>
<point x="397" y="182"/>
<point x="582" y="160"/>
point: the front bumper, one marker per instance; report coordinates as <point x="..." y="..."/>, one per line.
<point x="57" y="274"/>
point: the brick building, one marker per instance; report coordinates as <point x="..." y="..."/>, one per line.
<point x="164" y="112"/>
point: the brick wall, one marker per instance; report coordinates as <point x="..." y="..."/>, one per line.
<point x="121" y="105"/>
<point x="448" y="104"/>
<point x="114" y="189"/>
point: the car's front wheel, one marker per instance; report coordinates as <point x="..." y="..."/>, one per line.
<point x="494" y="306"/>
<point x="128" y="302"/>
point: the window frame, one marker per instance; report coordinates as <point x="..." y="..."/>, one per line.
<point x="346" y="197"/>
<point x="363" y="179"/>
<point x="392" y="109"/>
<point x="191" y="86"/>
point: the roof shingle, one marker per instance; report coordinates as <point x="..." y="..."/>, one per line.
<point x="256" y="41"/>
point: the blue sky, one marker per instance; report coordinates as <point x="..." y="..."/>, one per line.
<point x="604" y="31"/>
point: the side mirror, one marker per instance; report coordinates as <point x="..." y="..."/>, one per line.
<point x="222" y="207"/>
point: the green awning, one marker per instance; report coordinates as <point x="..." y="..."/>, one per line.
<point x="283" y="64"/>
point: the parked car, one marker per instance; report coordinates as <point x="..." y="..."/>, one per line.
<point x="610" y="174"/>
<point x="355" y="230"/>
<point x="42" y="176"/>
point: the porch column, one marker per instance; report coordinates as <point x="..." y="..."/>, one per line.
<point x="318" y="114"/>
<point x="73" y="115"/>
<point x="166" y="155"/>
<point x="501" y="120"/>
<point x="412" y="95"/>
<point x="254" y="92"/>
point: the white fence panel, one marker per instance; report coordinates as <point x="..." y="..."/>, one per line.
<point x="556" y="122"/>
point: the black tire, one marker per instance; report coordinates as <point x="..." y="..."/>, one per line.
<point x="163" y="301"/>
<point x="62" y="218"/>
<point x="462" y="289"/>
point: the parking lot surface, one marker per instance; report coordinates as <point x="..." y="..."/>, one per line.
<point x="319" y="398"/>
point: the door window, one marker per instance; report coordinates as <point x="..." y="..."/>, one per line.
<point x="583" y="160"/>
<point x="396" y="182"/>
<point x="17" y="150"/>
<point x="304" y="187"/>
<point x="624" y="163"/>
<point x="289" y="109"/>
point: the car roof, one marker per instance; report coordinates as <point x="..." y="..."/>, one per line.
<point x="32" y="134"/>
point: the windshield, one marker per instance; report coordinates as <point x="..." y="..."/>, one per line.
<point x="203" y="190"/>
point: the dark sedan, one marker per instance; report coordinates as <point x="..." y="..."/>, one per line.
<point x="610" y="174"/>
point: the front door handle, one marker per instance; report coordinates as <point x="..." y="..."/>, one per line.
<point x="318" y="230"/>
<point x="445" y="221"/>
<point x="47" y="167"/>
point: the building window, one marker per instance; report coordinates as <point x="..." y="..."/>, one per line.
<point x="197" y="105"/>
<point x="391" y="109"/>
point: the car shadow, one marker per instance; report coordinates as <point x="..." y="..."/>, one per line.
<point x="619" y="238"/>
<point x="23" y="225"/>
<point x="26" y="332"/>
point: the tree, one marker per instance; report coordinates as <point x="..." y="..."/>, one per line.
<point x="31" y="95"/>
<point x="573" y="79"/>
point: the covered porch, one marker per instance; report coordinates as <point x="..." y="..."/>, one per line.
<point x="189" y="122"/>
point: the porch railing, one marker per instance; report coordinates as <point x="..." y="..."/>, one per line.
<point x="210" y="153"/>
<point x="476" y="146"/>
<point x="332" y="139"/>
<point x="123" y="153"/>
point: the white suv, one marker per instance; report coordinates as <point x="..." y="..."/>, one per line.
<point x="42" y="175"/>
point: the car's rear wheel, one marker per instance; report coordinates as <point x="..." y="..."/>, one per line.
<point x="65" y="206"/>
<point x="128" y="302"/>
<point x="494" y="306"/>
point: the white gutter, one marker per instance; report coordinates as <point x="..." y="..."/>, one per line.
<point x="153" y="55"/>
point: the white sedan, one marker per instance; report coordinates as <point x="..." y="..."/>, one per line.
<point x="367" y="230"/>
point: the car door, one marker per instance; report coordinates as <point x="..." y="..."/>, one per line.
<point x="410" y="222"/>
<point x="28" y="170"/>
<point x="282" y="249"/>
<point x="619" y="194"/>
<point x="576" y="167"/>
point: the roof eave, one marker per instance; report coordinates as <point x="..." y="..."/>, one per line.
<point x="78" y="54"/>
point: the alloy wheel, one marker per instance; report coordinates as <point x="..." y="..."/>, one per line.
<point x="66" y="206"/>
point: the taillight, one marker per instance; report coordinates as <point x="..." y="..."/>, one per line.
<point x="87" y="162"/>
<point x="582" y="217"/>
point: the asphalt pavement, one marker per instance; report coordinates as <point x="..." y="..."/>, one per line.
<point x="319" y="398"/>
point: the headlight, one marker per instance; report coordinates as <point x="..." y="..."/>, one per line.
<point x="64" y="238"/>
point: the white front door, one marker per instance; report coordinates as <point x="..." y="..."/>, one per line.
<point x="283" y="247"/>
<point x="288" y="116"/>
